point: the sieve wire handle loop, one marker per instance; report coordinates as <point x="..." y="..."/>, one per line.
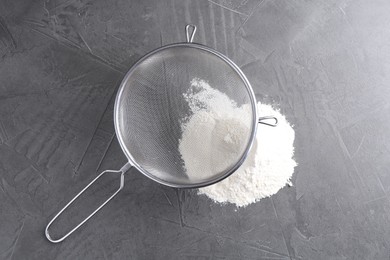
<point x="190" y="36"/>
<point x="122" y="171"/>
<point x="263" y="120"/>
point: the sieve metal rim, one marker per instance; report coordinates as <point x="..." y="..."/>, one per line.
<point x="252" y="97"/>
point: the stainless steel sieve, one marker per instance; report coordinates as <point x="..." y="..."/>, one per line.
<point x="150" y="108"/>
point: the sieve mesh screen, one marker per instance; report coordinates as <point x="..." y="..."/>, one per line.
<point x="151" y="107"/>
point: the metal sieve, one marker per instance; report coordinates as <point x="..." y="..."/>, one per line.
<point x="150" y="108"/>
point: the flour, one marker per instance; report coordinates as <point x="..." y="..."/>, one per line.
<point x="212" y="141"/>
<point x="215" y="135"/>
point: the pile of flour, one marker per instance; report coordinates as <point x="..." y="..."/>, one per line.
<point x="215" y="135"/>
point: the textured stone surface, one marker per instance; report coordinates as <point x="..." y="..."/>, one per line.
<point x="324" y="63"/>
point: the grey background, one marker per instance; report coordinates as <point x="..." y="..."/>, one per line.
<point x="324" y="63"/>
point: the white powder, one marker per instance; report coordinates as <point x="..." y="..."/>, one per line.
<point x="215" y="135"/>
<point x="211" y="141"/>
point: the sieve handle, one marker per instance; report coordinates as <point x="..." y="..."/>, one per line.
<point x="263" y="120"/>
<point x="122" y="171"/>
<point x="190" y="36"/>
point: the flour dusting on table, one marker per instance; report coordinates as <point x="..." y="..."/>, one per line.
<point x="269" y="165"/>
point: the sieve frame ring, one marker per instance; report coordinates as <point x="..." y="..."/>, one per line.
<point x="254" y="125"/>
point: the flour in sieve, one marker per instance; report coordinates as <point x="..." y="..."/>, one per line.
<point x="215" y="135"/>
<point x="269" y="165"/>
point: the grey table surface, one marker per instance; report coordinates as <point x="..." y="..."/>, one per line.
<point x="325" y="64"/>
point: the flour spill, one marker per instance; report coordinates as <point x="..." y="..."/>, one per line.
<point x="215" y="136"/>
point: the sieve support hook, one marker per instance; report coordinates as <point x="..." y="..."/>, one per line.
<point x="263" y="120"/>
<point x="190" y="35"/>
<point x="122" y="172"/>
